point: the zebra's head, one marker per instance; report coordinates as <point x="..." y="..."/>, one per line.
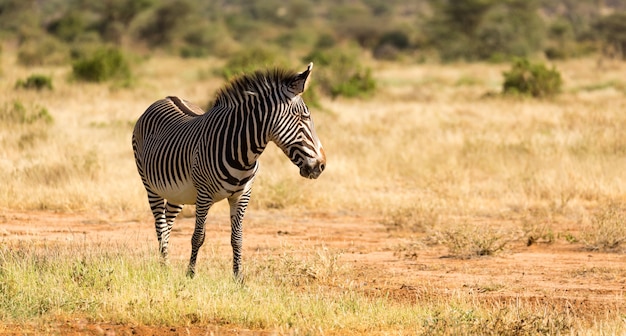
<point x="295" y="133"/>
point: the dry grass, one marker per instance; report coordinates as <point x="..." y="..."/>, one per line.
<point x="432" y="155"/>
<point x="429" y="140"/>
<point x="121" y="284"/>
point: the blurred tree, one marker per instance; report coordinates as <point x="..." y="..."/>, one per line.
<point x="485" y="29"/>
<point x="452" y="29"/>
<point x="116" y="16"/>
<point x="612" y="29"/>
<point x="355" y="22"/>
<point x="69" y="26"/>
<point x="167" y="22"/>
<point x="510" y="28"/>
<point x="561" y="37"/>
<point x="391" y="44"/>
<point x="20" y="18"/>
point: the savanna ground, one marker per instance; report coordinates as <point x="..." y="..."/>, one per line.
<point x="445" y="209"/>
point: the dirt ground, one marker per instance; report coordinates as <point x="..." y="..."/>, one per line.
<point x="556" y="274"/>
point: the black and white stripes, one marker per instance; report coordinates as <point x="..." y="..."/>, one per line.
<point x="185" y="156"/>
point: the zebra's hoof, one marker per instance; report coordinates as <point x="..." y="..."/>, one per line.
<point x="191" y="274"/>
<point x="239" y="279"/>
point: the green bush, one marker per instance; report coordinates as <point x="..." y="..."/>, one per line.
<point x="35" y="81"/>
<point x="531" y="79"/>
<point x="360" y="83"/>
<point x="339" y="73"/>
<point x="101" y="65"/>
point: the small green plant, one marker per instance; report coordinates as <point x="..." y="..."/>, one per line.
<point x="531" y="79"/>
<point x="101" y="65"/>
<point x="570" y="238"/>
<point x="18" y="113"/>
<point x="36" y="82"/>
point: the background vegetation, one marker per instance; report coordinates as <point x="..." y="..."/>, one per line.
<point x="411" y="115"/>
<point x="55" y="31"/>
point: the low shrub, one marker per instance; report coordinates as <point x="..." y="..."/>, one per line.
<point x="101" y="65"/>
<point x="531" y="79"/>
<point x="36" y="82"/>
<point x="339" y="73"/>
<point x="469" y="241"/>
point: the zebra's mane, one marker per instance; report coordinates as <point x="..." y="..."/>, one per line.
<point x="239" y="87"/>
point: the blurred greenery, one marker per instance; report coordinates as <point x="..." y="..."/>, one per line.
<point x="18" y="113"/>
<point x="35" y="81"/>
<point x="273" y="32"/>
<point x="531" y="79"/>
<point x="340" y="73"/>
<point x="101" y="65"/>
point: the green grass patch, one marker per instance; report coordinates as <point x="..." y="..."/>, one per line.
<point x="36" y="82"/>
<point x="306" y="292"/>
<point x="122" y="285"/>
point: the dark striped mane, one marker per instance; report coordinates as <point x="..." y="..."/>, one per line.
<point x="235" y="90"/>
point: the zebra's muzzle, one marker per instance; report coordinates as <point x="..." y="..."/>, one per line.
<point x="312" y="171"/>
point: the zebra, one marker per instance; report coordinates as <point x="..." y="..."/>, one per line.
<point x="187" y="156"/>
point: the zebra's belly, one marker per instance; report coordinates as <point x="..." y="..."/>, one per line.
<point x="184" y="193"/>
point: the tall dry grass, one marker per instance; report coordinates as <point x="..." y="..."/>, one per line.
<point x="434" y="143"/>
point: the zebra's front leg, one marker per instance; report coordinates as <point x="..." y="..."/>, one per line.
<point x="197" y="239"/>
<point x="238" y="205"/>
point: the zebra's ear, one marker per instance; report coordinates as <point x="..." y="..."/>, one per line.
<point x="298" y="83"/>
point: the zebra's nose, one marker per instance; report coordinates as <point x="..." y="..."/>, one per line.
<point x="313" y="169"/>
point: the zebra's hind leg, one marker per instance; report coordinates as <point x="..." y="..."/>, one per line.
<point x="197" y="239"/>
<point x="171" y="211"/>
<point x="157" y="204"/>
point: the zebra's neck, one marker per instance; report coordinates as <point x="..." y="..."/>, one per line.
<point x="247" y="131"/>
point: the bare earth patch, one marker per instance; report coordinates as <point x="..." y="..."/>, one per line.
<point x="560" y="274"/>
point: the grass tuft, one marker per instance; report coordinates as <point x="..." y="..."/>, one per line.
<point x="465" y="241"/>
<point x="607" y="231"/>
